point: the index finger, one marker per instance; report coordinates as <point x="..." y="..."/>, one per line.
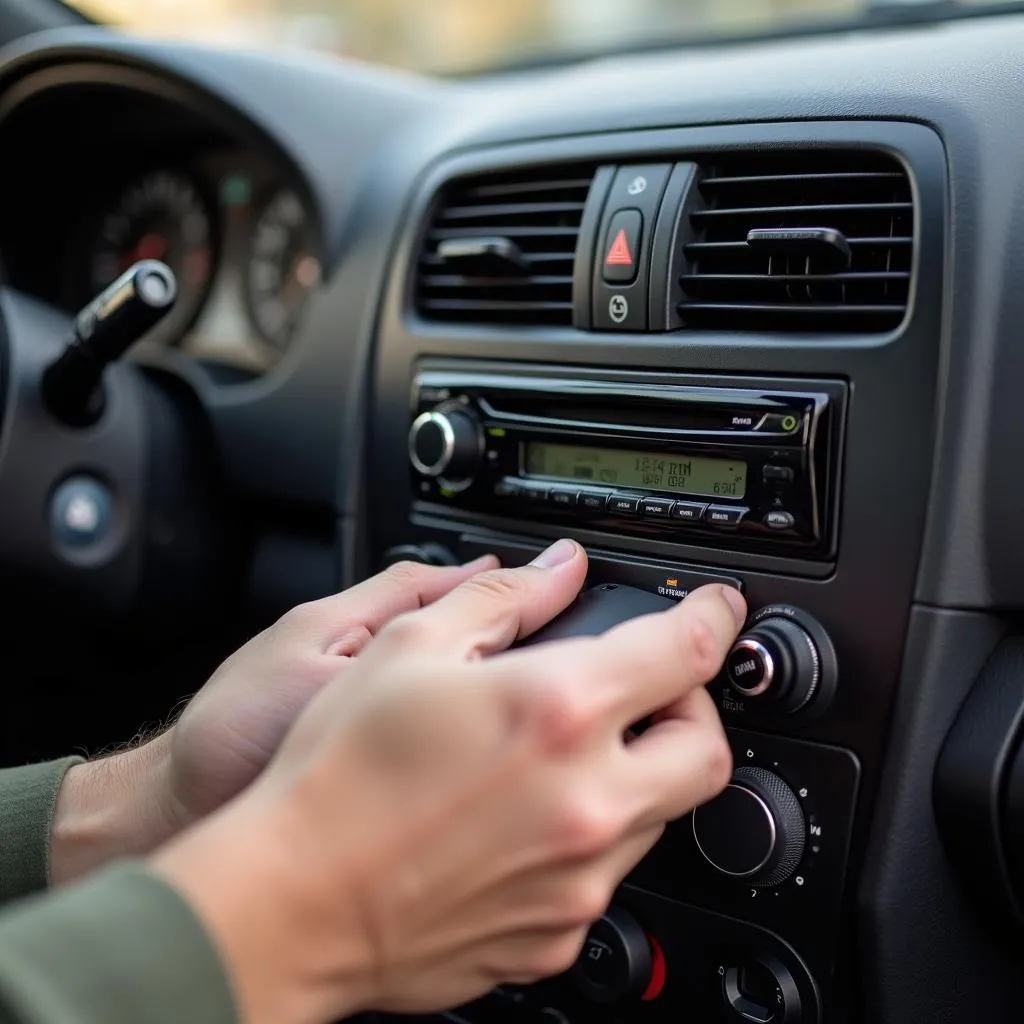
<point x="490" y="611"/>
<point x="370" y="605"/>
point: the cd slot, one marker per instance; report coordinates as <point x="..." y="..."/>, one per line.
<point x="645" y="416"/>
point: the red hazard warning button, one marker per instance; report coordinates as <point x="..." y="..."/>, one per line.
<point x="622" y="247"/>
<point x="619" y="254"/>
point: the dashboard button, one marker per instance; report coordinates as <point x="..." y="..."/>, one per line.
<point x="779" y="423"/>
<point x="533" y="492"/>
<point x="81" y="513"/>
<point x="594" y="501"/>
<point x="639" y="185"/>
<point x="658" y="508"/>
<point x="724" y="515"/>
<point x="564" y="497"/>
<point x="779" y="519"/>
<point x="624" y="504"/>
<point x="777" y="474"/>
<point x="622" y="247"/>
<point x="507" y="487"/>
<point x="689" y="511"/>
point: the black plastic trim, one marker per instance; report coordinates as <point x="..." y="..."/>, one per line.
<point x="586" y="243"/>
<point x="971" y="779"/>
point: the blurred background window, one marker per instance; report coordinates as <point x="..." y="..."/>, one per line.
<point x="467" y="35"/>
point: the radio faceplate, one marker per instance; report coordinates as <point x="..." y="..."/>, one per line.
<point x="729" y="463"/>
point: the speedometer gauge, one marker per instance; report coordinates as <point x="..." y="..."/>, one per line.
<point x="282" y="269"/>
<point x="160" y="216"/>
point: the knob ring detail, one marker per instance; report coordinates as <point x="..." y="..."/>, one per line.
<point x="448" y="435"/>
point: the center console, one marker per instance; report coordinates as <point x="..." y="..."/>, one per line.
<point x="707" y="354"/>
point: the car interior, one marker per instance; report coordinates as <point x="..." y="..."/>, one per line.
<point x="744" y="309"/>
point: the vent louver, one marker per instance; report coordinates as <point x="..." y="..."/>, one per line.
<point x="500" y="248"/>
<point x="800" y="242"/>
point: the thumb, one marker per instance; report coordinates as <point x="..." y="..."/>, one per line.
<point x="493" y="609"/>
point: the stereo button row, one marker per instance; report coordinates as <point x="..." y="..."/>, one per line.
<point x="687" y="511"/>
<point x="621" y="504"/>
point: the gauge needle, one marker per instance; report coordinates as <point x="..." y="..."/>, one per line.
<point x="305" y="272"/>
<point x="150" y="246"/>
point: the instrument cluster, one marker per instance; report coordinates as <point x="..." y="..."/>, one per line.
<point x="242" y="243"/>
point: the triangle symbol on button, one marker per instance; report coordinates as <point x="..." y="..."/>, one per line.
<point x="619" y="254"/>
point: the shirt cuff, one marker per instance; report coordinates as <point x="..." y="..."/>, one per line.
<point x="119" y="948"/>
<point x="27" y="799"/>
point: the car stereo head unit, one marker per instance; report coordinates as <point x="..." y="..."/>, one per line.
<point x="737" y="466"/>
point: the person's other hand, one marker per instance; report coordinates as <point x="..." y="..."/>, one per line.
<point x="131" y="802"/>
<point x="450" y="817"/>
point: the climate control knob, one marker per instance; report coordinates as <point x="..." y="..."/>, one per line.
<point x="754" y="831"/>
<point x="783" y="662"/>
<point x="618" y="961"/>
<point x="446" y="442"/>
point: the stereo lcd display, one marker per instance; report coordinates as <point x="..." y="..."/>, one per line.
<point x="617" y="467"/>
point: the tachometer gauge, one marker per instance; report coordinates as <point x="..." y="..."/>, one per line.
<point x="282" y="267"/>
<point x="160" y="216"/>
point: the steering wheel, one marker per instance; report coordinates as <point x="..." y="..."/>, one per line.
<point x="112" y="500"/>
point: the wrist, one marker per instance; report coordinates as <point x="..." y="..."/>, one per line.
<point x="292" y="955"/>
<point x="117" y="806"/>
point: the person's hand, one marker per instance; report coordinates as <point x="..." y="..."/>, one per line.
<point x="131" y="802"/>
<point x="449" y="817"/>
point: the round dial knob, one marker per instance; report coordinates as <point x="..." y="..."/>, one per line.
<point x="446" y="443"/>
<point x="779" y="662"/>
<point x="754" y="831"/>
<point x="761" y="989"/>
<point x="616" y="962"/>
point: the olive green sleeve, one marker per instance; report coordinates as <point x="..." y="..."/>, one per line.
<point x="27" y="798"/>
<point x="121" y="947"/>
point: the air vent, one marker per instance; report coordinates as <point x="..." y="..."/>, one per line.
<point x="500" y="248"/>
<point x="800" y="242"/>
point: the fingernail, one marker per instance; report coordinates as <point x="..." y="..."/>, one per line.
<point x="559" y="553"/>
<point x="735" y="601"/>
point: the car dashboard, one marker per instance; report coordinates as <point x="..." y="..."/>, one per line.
<point x="744" y="313"/>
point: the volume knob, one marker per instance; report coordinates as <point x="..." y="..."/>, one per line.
<point x="446" y="443"/>
<point x="754" y="830"/>
<point x="783" y="662"/>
